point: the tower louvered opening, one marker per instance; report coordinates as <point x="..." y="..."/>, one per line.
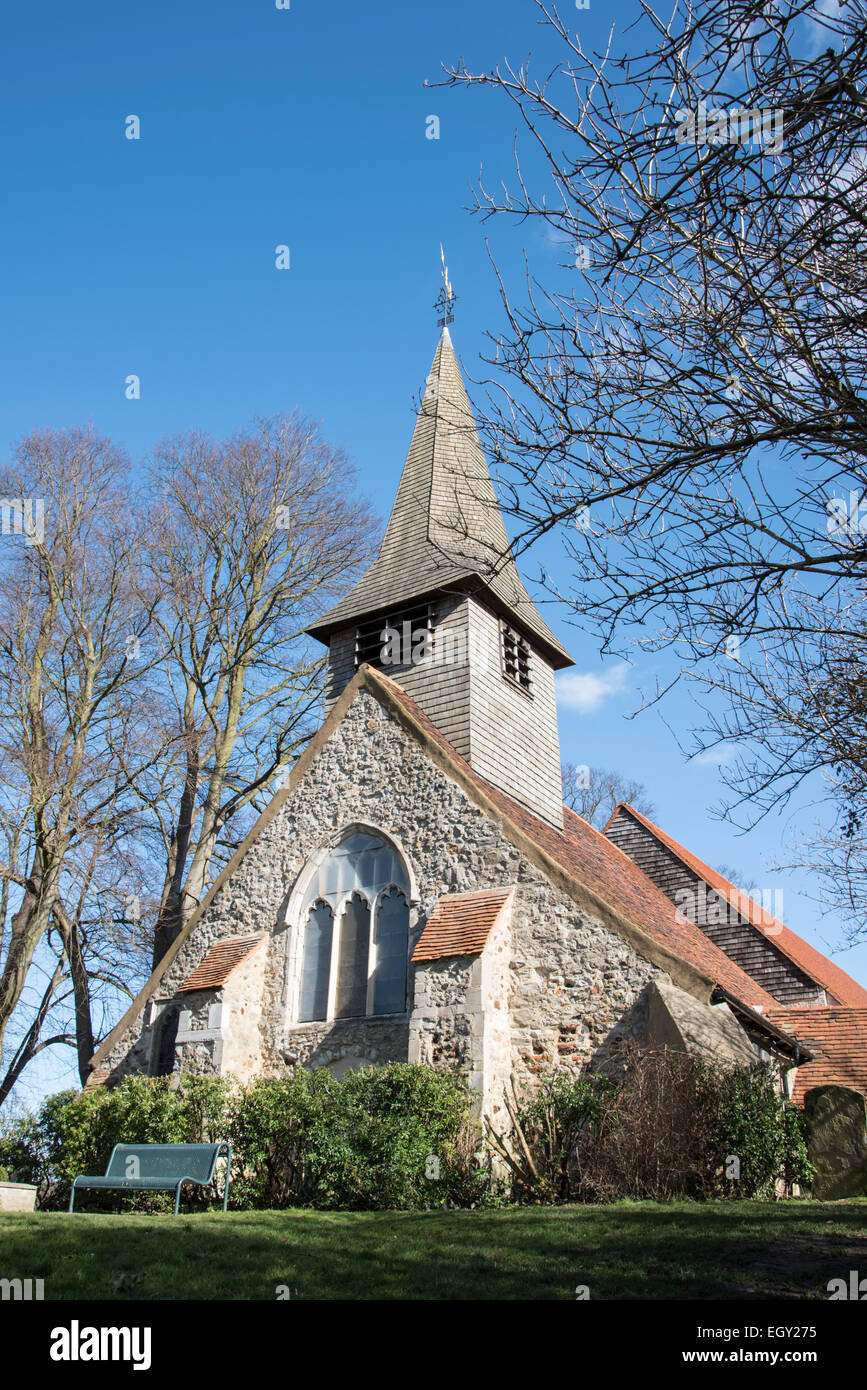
<point x="515" y="651"/>
<point x="401" y="633"/>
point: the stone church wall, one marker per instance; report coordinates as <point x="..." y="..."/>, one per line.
<point x="346" y="1041"/>
<point x="575" y="987"/>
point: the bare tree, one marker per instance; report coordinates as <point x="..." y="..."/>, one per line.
<point x="593" y="793"/>
<point x="72" y="704"/>
<point x="256" y="536"/>
<point x="683" y="398"/>
<point x="156" y="685"/>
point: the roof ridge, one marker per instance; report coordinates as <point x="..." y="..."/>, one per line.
<point x="783" y="938"/>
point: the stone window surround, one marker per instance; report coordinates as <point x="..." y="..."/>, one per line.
<point x="213" y="1031"/>
<point x="291" y="923"/>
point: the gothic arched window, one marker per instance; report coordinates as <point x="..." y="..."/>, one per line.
<point x="355" y="921"/>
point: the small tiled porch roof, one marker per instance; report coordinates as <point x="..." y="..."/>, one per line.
<point x="221" y="960"/>
<point x="461" y="924"/>
<point x="837" y="1037"/>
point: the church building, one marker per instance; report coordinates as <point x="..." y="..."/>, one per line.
<point x="417" y="891"/>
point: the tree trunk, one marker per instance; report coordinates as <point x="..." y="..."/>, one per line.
<point x="28" y="926"/>
<point x="84" y="1042"/>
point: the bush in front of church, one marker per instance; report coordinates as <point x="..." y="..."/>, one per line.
<point x="391" y="1137"/>
<point x="665" y="1126"/>
<point x="382" y="1138"/>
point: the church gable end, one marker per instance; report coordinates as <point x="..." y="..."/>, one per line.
<point x="746" y="944"/>
<point x="792" y="971"/>
<point x="573" y="986"/>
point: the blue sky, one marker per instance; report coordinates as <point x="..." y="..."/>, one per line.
<point x="156" y="257"/>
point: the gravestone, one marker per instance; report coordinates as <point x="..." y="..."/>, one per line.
<point x="17" y="1196"/>
<point x="837" y="1141"/>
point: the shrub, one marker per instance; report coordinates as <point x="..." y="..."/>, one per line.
<point x="746" y="1118"/>
<point x="555" y="1122"/>
<point x="405" y="1140"/>
<point x="362" y="1142"/>
<point x="400" y="1136"/>
<point x="665" y="1129"/>
<point x="28" y="1143"/>
<point x="365" y="1141"/>
<point x="274" y="1131"/>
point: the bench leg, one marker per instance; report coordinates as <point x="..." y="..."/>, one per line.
<point x="72" y="1198"/>
<point x="228" y="1177"/>
<point x="177" y="1199"/>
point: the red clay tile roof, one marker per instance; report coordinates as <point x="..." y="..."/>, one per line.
<point x="585" y="854"/>
<point x="461" y="923"/>
<point x="838" y="1037"/>
<point x="840" y="986"/>
<point x="219" y="963"/>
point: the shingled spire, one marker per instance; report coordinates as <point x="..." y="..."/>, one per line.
<point x="445" y="529"/>
<point x="445" y="568"/>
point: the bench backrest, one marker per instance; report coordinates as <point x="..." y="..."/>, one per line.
<point x="170" y="1161"/>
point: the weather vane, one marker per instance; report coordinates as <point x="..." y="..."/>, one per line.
<point x="446" y="299"/>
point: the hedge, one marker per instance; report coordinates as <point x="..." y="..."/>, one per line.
<point x="397" y="1136"/>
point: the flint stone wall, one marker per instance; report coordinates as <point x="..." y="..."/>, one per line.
<point x="575" y="987"/>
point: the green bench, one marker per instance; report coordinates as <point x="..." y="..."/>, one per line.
<point x="159" y="1168"/>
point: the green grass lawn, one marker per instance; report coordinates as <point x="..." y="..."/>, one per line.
<point x="636" y="1250"/>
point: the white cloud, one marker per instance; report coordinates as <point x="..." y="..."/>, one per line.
<point x="722" y="756"/>
<point x="586" y="691"/>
